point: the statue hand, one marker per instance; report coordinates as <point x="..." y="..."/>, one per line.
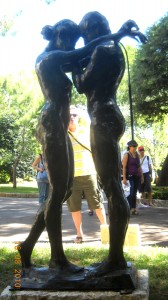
<point x="141" y="37"/>
<point x="131" y="29"/>
<point x="128" y="26"/>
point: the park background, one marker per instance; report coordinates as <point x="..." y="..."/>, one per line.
<point x="21" y="99"/>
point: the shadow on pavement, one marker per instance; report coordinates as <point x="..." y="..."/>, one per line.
<point x="17" y="216"/>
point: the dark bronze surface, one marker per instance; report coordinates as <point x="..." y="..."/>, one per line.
<point x="97" y="70"/>
<point x="86" y="280"/>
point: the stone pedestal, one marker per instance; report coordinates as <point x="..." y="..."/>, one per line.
<point x="95" y="277"/>
<point x="140" y="293"/>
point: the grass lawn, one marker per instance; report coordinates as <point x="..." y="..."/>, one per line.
<point x="30" y="187"/>
<point x="155" y="259"/>
<point x="23" y="187"/>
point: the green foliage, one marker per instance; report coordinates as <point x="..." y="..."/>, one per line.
<point x="78" y="99"/>
<point x="6" y="269"/>
<point x="7" y="134"/>
<point x="8" y="188"/>
<point x="160" y="193"/>
<point x="123" y="97"/>
<point x="153" y="136"/>
<point x="21" y="100"/>
<point x="4" y="176"/>
<point x="150" y="73"/>
<point x="123" y="93"/>
<point x="7" y="138"/>
<point x="20" y="103"/>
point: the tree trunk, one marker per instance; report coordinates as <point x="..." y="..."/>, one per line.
<point x="163" y="177"/>
<point x="14" y="172"/>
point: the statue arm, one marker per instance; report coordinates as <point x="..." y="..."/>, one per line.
<point x="106" y="61"/>
<point x="129" y="28"/>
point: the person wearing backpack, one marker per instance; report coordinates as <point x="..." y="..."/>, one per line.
<point x="42" y="179"/>
<point x="146" y="166"/>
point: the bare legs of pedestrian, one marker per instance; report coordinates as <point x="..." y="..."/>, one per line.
<point x="77" y="219"/>
<point x="149" y="198"/>
<point x="101" y="214"/>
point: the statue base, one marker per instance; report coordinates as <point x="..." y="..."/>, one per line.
<point x="87" y="280"/>
<point x="141" y="292"/>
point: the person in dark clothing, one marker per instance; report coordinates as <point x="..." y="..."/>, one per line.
<point x="132" y="172"/>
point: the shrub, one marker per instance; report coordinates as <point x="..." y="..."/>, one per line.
<point x="160" y="193"/>
<point x="4" y="177"/>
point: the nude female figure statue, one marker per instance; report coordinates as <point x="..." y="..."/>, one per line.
<point x="52" y="134"/>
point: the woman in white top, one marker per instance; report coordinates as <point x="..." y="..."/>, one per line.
<point x="146" y="166"/>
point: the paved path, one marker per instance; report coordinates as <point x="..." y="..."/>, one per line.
<point x="17" y="215"/>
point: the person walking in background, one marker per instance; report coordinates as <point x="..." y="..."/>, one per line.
<point x="26" y="247"/>
<point x="90" y="213"/>
<point x="85" y="180"/>
<point x="132" y="171"/>
<point x="146" y="166"/>
<point x="42" y="179"/>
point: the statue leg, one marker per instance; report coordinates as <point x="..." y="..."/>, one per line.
<point x="70" y="168"/>
<point x="54" y="229"/>
<point x="58" y="163"/>
<point x="58" y="260"/>
<point x="118" y="212"/>
<point x="107" y="158"/>
<point x="26" y="247"/>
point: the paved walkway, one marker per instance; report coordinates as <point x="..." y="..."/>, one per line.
<point x="17" y="215"/>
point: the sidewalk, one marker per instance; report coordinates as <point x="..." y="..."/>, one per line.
<point x="17" y="215"/>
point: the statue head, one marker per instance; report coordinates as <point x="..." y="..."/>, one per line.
<point x="62" y="36"/>
<point x="93" y="25"/>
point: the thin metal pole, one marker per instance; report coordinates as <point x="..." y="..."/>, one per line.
<point x="129" y="93"/>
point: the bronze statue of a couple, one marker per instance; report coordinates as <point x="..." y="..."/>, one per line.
<point x="97" y="70"/>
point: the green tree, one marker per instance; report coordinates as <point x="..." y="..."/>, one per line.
<point x="7" y="137"/>
<point x="123" y="96"/>
<point x="150" y="72"/>
<point x="150" y="97"/>
<point x="78" y="99"/>
<point x="21" y="97"/>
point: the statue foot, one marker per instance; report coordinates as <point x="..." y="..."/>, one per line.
<point x="25" y="254"/>
<point x="106" y="267"/>
<point x="65" y="267"/>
